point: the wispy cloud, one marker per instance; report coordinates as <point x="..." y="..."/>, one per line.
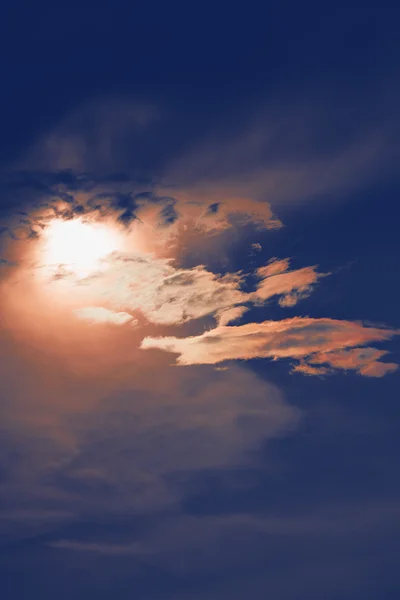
<point x="292" y="286"/>
<point x="99" y="314"/>
<point x="165" y="294"/>
<point x="31" y="199"/>
<point x="364" y="360"/>
<point x="106" y="549"/>
<point x="129" y="284"/>
<point x="291" y="338"/>
<point x="71" y="453"/>
<point x="161" y="292"/>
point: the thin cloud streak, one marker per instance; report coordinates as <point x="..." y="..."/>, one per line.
<point x="295" y="338"/>
<point x="98" y="314"/>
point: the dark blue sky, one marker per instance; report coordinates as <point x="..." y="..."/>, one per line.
<point x="157" y="488"/>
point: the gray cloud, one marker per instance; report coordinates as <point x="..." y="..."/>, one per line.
<point x="71" y="437"/>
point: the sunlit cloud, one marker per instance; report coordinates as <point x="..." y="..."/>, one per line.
<point x="90" y="237"/>
<point x="292" y="286"/>
<point x="99" y="314"/>
<point x="291" y="338"/>
<point x="307" y="369"/>
<point x="190" y="407"/>
<point x="161" y="292"/>
<point x="363" y="360"/>
<point x="231" y="314"/>
<point x="165" y="294"/>
<point x="41" y="200"/>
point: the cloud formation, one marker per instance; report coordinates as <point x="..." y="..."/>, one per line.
<point x="132" y="284"/>
<point x="167" y="295"/>
<point x="164" y="294"/>
<point x="363" y="360"/>
<point x="108" y="445"/>
<point x="99" y="314"/>
<point x="295" y="338"/>
<point x="292" y="286"/>
<point x="136" y="283"/>
<point x="31" y="199"/>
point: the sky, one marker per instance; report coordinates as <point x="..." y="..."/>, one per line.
<point x="199" y="301"/>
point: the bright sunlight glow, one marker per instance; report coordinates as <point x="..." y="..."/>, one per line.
<point x="77" y="245"/>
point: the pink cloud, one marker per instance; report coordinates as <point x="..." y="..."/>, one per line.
<point x="167" y="295"/>
<point x="276" y="280"/>
<point x="231" y="314"/>
<point x="290" y="338"/>
<point x="363" y="360"/>
<point x="273" y="267"/>
<point x="98" y="314"/>
<point x="307" y="369"/>
<point x="377" y="369"/>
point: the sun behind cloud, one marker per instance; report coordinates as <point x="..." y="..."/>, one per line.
<point x="77" y="245"/>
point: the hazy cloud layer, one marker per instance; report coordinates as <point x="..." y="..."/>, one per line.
<point x="105" y="445"/>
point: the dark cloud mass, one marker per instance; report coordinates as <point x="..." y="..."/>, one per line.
<point x="199" y="302"/>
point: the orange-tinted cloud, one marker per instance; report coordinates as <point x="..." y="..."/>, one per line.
<point x="276" y="280"/>
<point x="364" y="360"/>
<point x="98" y="314"/>
<point x="37" y="198"/>
<point x="231" y="314"/>
<point x="307" y="369"/>
<point x="291" y="338"/>
<point x="98" y="443"/>
<point x="167" y="295"/>
<point x="163" y="293"/>
<point x="273" y="267"/>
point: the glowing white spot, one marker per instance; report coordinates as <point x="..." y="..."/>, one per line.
<point x="79" y="246"/>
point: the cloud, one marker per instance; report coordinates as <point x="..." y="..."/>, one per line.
<point x="230" y="314"/>
<point x="255" y="248"/>
<point x="377" y="369"/>
<point x="98" y="314"/>
<point x="106" y="549"/>
<point x="124" y="441"/>
<point x="96" y="136"/>
<point x="31" y="199"/>
<point x="207" y="543"/>
<point x="161" y="292"/>
<point x="167" y="295"/>
<point x="276" y="280"/>
<point x="273" y="267"/>
<point x="6" y="263"/>
<point x="291" y="338"/>
<point x="96" y="431"/>
<point x="278" y="154"/>
<point x="138" y="283"/>
<point x="307" y="369"/>
<point x="364" y="360"/>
